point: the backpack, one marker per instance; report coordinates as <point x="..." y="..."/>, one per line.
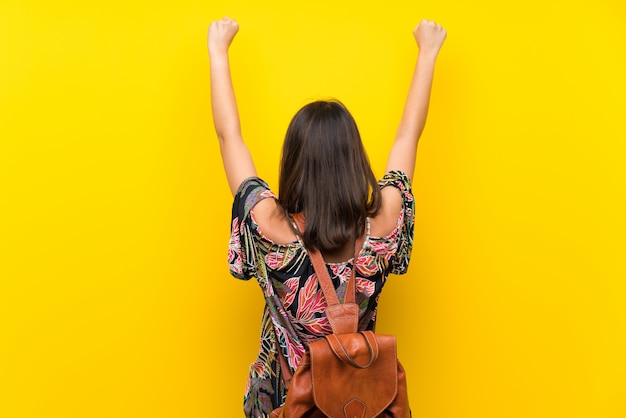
<point x="346" y="374"/>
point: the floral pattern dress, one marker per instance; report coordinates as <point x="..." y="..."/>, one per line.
<point x="294" y="303"/>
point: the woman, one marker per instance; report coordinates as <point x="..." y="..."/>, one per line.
<point x="326" y="182"/>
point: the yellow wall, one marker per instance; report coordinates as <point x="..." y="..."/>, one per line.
<point x="115" y="299"/>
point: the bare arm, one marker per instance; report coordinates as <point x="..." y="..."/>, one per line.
<point x="236" y="158"/>
<point x="429" y="37"/>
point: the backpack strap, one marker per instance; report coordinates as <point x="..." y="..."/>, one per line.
<point x="343" y="317"/>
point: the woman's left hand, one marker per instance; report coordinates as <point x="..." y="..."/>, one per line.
<point x="221" y="34"/>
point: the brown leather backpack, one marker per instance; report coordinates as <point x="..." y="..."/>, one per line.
<point x="346" y="374"/>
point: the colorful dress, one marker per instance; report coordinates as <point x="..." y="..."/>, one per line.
<point x="294" y="303"/>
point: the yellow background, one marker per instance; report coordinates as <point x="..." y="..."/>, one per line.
<point x="115" y="298"/>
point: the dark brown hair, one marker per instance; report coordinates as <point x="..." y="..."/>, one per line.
<point x="325" y="174"/>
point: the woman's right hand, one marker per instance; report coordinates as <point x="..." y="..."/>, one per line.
<point x="429" y="36"/>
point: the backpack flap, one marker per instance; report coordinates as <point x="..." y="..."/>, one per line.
<point x="360" y="382"/>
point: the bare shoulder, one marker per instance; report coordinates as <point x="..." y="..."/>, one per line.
<point x="272" y="222"/>
<point x="386" y="219"/>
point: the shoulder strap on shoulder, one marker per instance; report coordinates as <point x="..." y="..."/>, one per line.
<point x="343" y="317"/>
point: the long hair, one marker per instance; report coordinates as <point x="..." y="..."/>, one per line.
<point x="326" y="175"/>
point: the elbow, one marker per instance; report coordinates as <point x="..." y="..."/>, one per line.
<point x="227" y="137"/>
<point x="227" y="130"/>
<point x="408" y="137"/>
<point x="221" y="138"/>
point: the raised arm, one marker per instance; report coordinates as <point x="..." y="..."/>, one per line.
<point x="235" y="155"/>
<point x="429" y="37"/>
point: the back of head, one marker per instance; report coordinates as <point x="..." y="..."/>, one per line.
<point x="325" y="174"/>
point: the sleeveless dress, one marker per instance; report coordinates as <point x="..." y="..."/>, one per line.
<point x="294" y="303"/>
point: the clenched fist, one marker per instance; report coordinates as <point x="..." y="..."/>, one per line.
<point x="221" y="34"/>
<point x="429" y="36"/>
